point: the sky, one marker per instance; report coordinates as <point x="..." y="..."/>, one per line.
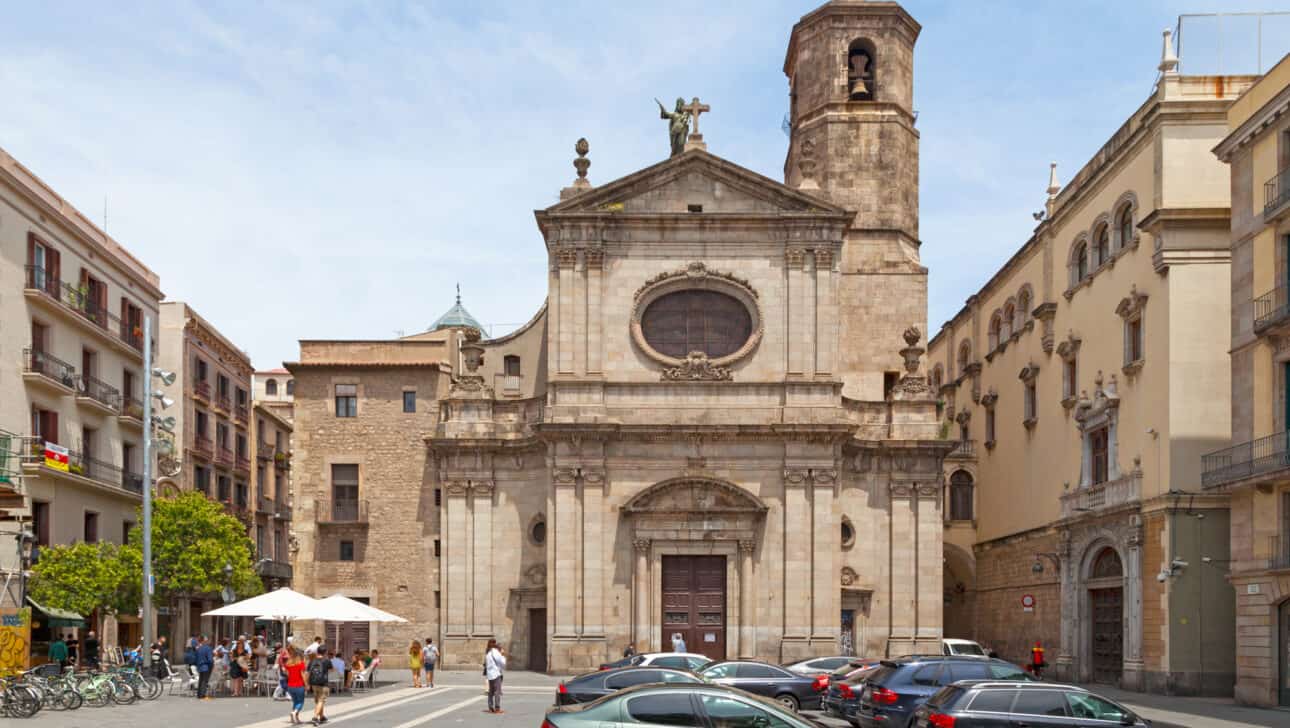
<point x="329" y="169"/>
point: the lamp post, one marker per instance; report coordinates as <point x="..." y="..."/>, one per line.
<point x="166" y="378"/>
<point x="227" y="594"/>
<point x="26" y="550"/>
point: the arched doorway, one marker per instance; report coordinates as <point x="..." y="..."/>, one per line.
<point x="1105" y="584"/>
<point x="958" y="577"/>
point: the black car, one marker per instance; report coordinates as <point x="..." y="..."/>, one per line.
<point x="697" y="706"/>
<point x="593" y="685"/>
<point x="987" y="704"/>
<point x="789" y="689"/>
<point x="888" y="694"/>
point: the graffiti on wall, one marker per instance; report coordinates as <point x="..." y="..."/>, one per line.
<point x="15" y="640"/>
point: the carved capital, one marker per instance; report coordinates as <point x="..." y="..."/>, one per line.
<point x="929" y="490"/>
<point x="455" y="487"/>
<point x="593" y="477"/>
<point x="901" y="490"/>
<point x="825" y="476"/>
<point x="482" y="488"/>
<point x="565" y="256"/>
<point x="794" y="257"/>
<point x="594" y="258"/>
<point x="747" y="546"/>
<point x="564" y="476"/>
<point x="795" y="476"/>
<point x="641" y="545"/>
<point x="823" y="259"/>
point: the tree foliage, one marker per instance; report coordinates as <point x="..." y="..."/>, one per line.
<point x="192" y="539"/>
<point x="82" y="577"/>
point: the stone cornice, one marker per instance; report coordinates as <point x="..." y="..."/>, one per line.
<point x="1255" y="126"/>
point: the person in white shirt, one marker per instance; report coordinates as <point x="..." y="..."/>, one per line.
<point x="494" y="666"/>
<point x="312" y="649"/>
<point x="678" y="643"/>
<point x="429" y="656"/>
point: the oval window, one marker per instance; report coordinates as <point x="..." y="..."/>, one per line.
<point x="539" y="533"/>
<point x="848" y="533"/>
<point x="709" y="322"/>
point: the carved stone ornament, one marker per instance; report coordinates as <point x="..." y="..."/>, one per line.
<point x="696" y="276"/>
<point x="795" y="476"/>
<point x="824" y="477"/>
<point x="989" y="398"/>
<point x="482" y="488"/>
<point x="1103" y="399"/>
<point x="593" y="477"/>
<point x="747" y="546"/>
<point x="564" y="476"/>
<point x="849" y="576"/>
<point x="641" y="545"/>
<point x="964" y="416"/>
<point x="695" y="368"/>
<point x="535" y="575"/>
<point x="1029" y="372"/>
<point x="455" y="487"/>
<point x="582" y="163"/>
<point x="1131" y="304"/>
<point x="1069" y="346"/>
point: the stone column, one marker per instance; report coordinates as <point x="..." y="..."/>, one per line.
<point x="555" y="330"/>
<point x="593" y="554"/>
<point x="565" y="535"/>
<point x="455" y="563"/>
<point x="793" y="263"/>
<point x="826" y="314"/>
<point x="595" y="260"/>
<point x="641" y="595"/>
<point x="825" y="611"/>
<point x="580" y="315"/>
<point x="931" y="557"/>
<point x="747" y="601"/>
<point x="481" y="504"/>
<point x="566" y="309"/>
<point x="1066" y="658"/>
<point x="901" y="537"/>
<point x="1134" y="677"/>
<point x="797" y="555"/>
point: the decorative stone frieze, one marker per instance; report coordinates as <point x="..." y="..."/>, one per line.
<point x="697" y="367"/>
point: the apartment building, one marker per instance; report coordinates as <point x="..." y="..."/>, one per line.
<point x="212" y="411"/>
<point x="1083" y="381"/>
<point x="71" y="339"/>
<point x="1254" y="470"/>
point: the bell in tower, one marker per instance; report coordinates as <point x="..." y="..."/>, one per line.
<point x="860" y="83"/>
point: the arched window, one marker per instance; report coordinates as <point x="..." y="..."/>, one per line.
<point x="1079" y="263"/>
<point x="996" y="323"/>
<point x="271" y="387"/>
<point x="511" y="365"/>
<point x="1101" y="246"/>
<point x="1009" y="318"/>
<point x="1106" y="565"/>
<point x="291" y="387"/>
<point x="1124" y="221"/>
<point x="965" y="355"/>
<point x="1023" y="307"/>
<point x="938" y="378"/>
<point x="860" y="67"/>
<point x="961" y="488"/>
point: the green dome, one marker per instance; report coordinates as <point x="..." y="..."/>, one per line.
<point x="457" y="316"/>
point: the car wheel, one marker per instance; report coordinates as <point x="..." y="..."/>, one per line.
<point x="788" y="701"/>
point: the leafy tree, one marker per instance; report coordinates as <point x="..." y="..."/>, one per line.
<point x="82" y="577"/>
<point x="192" y="539"/>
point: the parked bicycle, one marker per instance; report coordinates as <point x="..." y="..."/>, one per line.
<point x="18" y="700"/>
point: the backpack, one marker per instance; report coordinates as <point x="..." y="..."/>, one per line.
<point x="318" y="672"/>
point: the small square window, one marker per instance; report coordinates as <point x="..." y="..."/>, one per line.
<point x="346" y="550"/>
<point x="410" y="401"/>
<point x="438" y="497"/>
<point x="346" y="400"/>
<point x="436" y="598"/>
<point x="436" y="548"/>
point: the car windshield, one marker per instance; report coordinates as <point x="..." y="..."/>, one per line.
<point x="966" y="648"/>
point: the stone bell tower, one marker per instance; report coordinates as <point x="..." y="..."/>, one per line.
<point x="850" y="66"/>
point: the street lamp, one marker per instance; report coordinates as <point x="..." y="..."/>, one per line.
<point x="166" y="378"/>
<point x="227" y="594"/>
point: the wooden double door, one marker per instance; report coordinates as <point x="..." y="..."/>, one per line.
<point x="694" y="604"/>
<point x="1108" y="634"/>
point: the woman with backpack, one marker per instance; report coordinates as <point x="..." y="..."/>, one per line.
<point x="294" y="669"/>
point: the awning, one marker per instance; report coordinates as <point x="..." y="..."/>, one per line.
<point x="58" y="617"/>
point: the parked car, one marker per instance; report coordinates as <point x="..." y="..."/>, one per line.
<point x="888" y="695"/>
<point x="1006" y="704"/>
<point x="789" y="689"/>
<point x="677" y="705"/>
<point x="845" y="672"/>
<point x="963" y="647"/>
<point x="674" y="660"/>
<point x="818" y="665"/>
<point x="593" y="685"/>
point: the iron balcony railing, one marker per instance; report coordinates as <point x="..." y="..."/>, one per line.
<point x="86" y="466"/>
<point x="100" y="391"/>
<point x="132" y="481"/>
<point x="264" y="451"/>
<point x="241" y="414"/>
<point x="223" y="402"/>
<point x="344" y="511"/>
<point x="224" y="455"/>
<point x="270" y="569"/>
<point x="202" y="445"/>
<point x="37" y="361"/>
<point x="43" y="280"/>
<point x="1271" y="308"/>
<point x="1279" y="552"/>
<point x="1276" y="192"/>
<point x="202" y="390"/>
<point x="131" y="407"/>
<point x="79" y="300"/>
<point x="1246" y="460"/>
<point x="242" y="463"/>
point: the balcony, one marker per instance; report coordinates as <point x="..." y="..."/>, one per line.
<point x="242" y="414"/>
<point x="224" y="456"/>
<point x="242" y="464"/>
<point x="346" y="512"/>
<point x="1276" y="196"/>
<point x="1259" y="458"/>
<point x="263" y="451"/>
<point x="1103" y="496"/>
<point x="131" y="412"/>
<point x="81" y="468"/>
<point x="76" y="304"/>
<point x="203" y="447"/>
<point x="202" y="392"/>
<point x="46" y="370"/>
<point x="1279" y="552"/>
<point x="1271" y="309"/>
<point x="269" y="569"/>
<point x="98" y="395"/>
<point x="282" y="460"/>
<point x="265" y="504"/>
<point x="963" y="450"/>
<point x="222" y="403"/>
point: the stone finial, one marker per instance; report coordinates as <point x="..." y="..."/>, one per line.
<point x="912" y="352"/>
<point x="472" y="354"/>
<point x="912" y="335"/>
<point x="581" y="163"/>
<point x="1168" y="59"/>
<point x="806" y="165"/>
<point x="1053" y="189"/>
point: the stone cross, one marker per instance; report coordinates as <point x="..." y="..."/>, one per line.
<point x="695" y="108"/>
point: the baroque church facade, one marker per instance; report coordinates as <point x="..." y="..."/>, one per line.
<point x="716" y="426"/>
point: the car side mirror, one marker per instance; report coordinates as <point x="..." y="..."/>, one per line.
<point x="1128" y="719"/>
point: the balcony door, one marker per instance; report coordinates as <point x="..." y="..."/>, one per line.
<point x="1283" y="648"/>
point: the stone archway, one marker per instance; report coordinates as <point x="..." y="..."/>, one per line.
<point x="959" y="579"/>
<point x="694" y="517"/>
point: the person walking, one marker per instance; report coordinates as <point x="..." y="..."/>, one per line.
<point x="429" y="658"/>
<point x="319" y="667"/>
<point x="313" y="647"/>
<point x="678" y="642"/>
<point x="190" y="651"/>
<point x="630" y="651"/>
<point x="240" y="667"/>
<point x="205" y="661"/>
<point x="494" y="666"/>
<point x="414" y="662"/>
<point x="294" y="674"/>
<point x="58" y="652"/>
<point x="90" y="651"/>
<point x="283" y="653"/>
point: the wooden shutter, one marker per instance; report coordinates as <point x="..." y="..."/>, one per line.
<point x="53" y="268"/>
<point x="31" y="248"/>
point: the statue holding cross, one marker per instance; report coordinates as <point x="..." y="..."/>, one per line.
<point x="679" y="124"/>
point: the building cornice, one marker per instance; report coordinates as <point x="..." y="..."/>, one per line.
<point x="1255" y="126"/>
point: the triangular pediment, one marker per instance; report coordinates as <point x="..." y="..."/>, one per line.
<point x="695" y="182"/>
